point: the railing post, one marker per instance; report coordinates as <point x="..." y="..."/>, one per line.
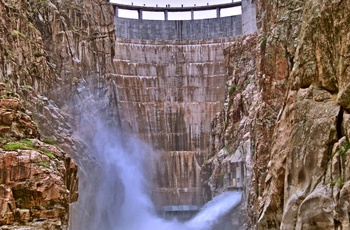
<point x="115" y="11"/>
<point x="140" y="13"/>
<point x="166" y="15"/>
<point x="192" y="14"/>
<point x="218" y="12"/>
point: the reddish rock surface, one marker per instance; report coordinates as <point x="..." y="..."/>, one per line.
<point x="38" y="180"/>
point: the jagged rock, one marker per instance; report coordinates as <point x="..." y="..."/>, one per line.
<point x="231" y="140"/>
<point x="343" y="98"/>
<point x="297" y="172"/>
<point x="15" y="122"/>
<point x="300" y="126"/>
<point x="38" y="180"/>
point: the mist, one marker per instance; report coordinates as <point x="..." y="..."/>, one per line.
<point x="121" y="199"/>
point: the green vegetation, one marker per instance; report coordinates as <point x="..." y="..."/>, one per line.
<point x="228" y="150"/>
<point x="263" y="41"/>
<point x="8" y="52"/>
<point x="232" y="88"/>
<point x="344" y="149"/>
<point x="4" y="139"/>
<point x="19" y="203"/>
<point x="16" y="145"/>
<point x="19" y="33"/>
<point x="227" y="121"/>
<point x="47" y="152"/>
<point x="42" y="2"/>
<point x="338" y="181"/>
<point x="74" y="29"/>
<point x="49" y="141"/>
<point x="44" y="164"/>
<point x="27" y="87"/>
<point x="38" y="54"/>
<point x="26" y="144"/>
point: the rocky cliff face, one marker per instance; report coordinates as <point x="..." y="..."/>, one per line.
<point x="232" y="140"/>
<point x="286" y="115"/>
<point x="38" y="180"/>
<point x="47" y="47"/>
<point x="308" y="157"/>
<point x="298" y="133"/>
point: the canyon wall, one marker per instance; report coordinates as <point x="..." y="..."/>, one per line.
<point x="38" y="180"/>
<point x="47" y="48"/>
<point x="289" y="120"/>
<point x="308" y="160"/>
<point x="286" y="113"/>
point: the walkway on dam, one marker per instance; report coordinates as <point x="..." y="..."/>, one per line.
<point x="168" y="9"/>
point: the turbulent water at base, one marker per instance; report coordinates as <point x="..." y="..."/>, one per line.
<point x="123" y="161"/>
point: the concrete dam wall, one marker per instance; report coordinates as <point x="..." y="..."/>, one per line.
<point x="170" y="78"/>
<point x="168" y="93"/>
<point x="179" y="29"/>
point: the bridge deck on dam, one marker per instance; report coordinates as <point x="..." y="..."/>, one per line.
<point x="219" y="27"/>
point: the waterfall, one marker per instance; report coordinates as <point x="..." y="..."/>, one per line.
<point x="121" y="200"/>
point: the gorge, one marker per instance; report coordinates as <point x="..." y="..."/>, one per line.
<point x="261" y="107"/>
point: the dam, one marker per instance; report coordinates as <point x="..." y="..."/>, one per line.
<point x="170" y="81"/>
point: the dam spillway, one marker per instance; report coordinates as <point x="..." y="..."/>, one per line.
<point x="168" y="94"/>
<point x="170" y="81"/>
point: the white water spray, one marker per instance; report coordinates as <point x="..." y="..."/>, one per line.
<point x="123" y="160"/>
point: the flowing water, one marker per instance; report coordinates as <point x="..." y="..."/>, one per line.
<point x="123" y="160"/>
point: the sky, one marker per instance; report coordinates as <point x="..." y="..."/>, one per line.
<point x="176" y="3"/>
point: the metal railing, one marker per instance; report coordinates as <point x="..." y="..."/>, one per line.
<point x="168" y="8"/>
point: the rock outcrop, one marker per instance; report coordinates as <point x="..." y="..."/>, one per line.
<point x="298" y="135"/>
<point x="306" y="177"/>
<point x="231" y="130"/>
<point x="286" y="114"/>
<point x="38" y="180"/>
<point x="48" y="48"/>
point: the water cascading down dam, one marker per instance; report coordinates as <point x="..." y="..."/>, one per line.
<point x="170" y="81"/>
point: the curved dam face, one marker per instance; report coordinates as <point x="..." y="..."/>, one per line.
<point x="168" y="92"/>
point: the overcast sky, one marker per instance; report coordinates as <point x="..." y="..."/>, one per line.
<point x="173" y="3"/>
